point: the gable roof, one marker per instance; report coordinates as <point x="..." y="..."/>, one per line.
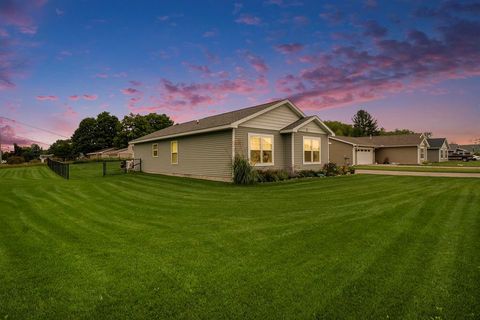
<point x="101" y="151"/>
<point x="217" y="122"/>
<point x="293" y="127"/>
<point x="354" y="141"/>
<point x="436" y="143"/>
<point x="384" y="141"/>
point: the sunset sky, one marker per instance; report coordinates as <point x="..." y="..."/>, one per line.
<point x="411" y="65"/>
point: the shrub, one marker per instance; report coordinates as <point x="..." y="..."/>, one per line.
<point x="243" y="171"/>
<point x="352" y="170"/>
<point x="330" y="169"/>
<point x="386" y="161"/>
<point x="15" y="160"/>
<point x="344" y="170"/>
<point x="272" y="175"/>
<point x="306" y="174"/>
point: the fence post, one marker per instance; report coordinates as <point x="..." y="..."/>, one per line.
<point x="104" y="168"/>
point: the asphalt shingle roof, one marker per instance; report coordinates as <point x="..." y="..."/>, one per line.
<point x="297" y="123"/>
<point x="385" y="141"/>
<point x="218" y="120"/>
<point x="436" y="143"/>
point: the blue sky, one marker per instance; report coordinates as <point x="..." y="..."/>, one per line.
<point x="411" y="65"/>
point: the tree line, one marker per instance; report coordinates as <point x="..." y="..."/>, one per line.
<point x="106" y="131"/>
<point x="363" y="125"/>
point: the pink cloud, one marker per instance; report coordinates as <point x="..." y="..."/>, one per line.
<point x="47" y="98"/>
<point x="136" y="83"/>
<point x="301" y="20"/>
<point x="90" y="97"/>
<point x="289" y="48"/>
<point x="70" y="112"/>
<point x="256" y="62"/>
<point x="130" y="91"/>
<point x="101" y="75"/>
<point x="249" y="20"/>
<point x="210" y="34"/>
<point x="74" y="98"/>
<point x="349" y="74"/>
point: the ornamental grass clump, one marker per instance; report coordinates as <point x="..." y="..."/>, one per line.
<point x="243" y="171"/>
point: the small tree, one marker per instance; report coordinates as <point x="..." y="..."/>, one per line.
<point x="364" y="124"/>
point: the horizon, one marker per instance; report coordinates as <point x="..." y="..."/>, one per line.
<point x="412" y="66"/>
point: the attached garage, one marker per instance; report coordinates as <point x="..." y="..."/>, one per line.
<point x="349" y="151"/>
<point x="365" y="155"/>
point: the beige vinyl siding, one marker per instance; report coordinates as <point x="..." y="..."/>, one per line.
<point x="339" y="151"/>
<point x="298" y="150"/>
<point x="279" y="148"/>
<point x="402" y="155"/>
<point x="275" y="119"/>
<point x="287" y="141"/>
<point x="434" y="155"/>
<point x="207" y="156"/>
<point x="311" y="127"/>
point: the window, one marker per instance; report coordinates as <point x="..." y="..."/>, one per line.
<point x="260" y="149"/>
<point x="422" y="153"/>
<point x="311" y="150"/>
<point x="155" y="150"/>
<point x="174" y="152"/>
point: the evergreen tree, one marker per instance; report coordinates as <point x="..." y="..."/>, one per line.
<point x="364" y="124"/>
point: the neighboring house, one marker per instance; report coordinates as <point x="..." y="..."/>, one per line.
<point x="438" y="150"/>
<point x="275" y="135"/>
<point x="457" y="149"/>
<point x="472" y="148"/>
<point x="44" y="157"/>
<point x="401" y="149"/>
<point x="99" y="154"/>
<point x="125" y="153"/>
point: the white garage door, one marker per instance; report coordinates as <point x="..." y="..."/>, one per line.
<point x="364" y="156"/>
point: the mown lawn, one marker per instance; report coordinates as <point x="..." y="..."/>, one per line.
<point x="419" y="168"/>
<point x="150" y="247"/>
<point x="455" y="164"/>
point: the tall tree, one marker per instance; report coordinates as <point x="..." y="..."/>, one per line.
<point x="364" y="124"/>
<point x="340" y="128"/>
<point x="134" y="126"/>
<point x="62" y="149"/>
<point x="383" y="132"/>
<point x="84" y="139"/>
<point x="106" y="130"/>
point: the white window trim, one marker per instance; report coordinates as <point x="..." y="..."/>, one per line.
<point x="319" y="151"/>
<point x="171" y="152"/>
<point x="252" y="134"/>
<point x="154" y="144"/>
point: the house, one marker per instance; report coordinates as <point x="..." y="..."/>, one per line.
<point x="275" y="135"/>
<point x="125" y="153"/>
<point x="457" y="149"/>
<point x="438" y="150"/>
<point x="44" y="157"/>
<point x="471" y="148"/>
<point x="99" y="154"/>
<point x="401" y="149"/>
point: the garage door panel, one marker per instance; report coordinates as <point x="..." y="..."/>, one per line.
<point x="364" y="156"/>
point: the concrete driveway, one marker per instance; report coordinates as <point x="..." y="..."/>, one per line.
<point x="420" y="174"/>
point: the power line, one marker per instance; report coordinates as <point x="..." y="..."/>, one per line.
<point x="28" y="125"/>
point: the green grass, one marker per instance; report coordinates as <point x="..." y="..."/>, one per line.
<point x="455" y="164"/>
<point x="418" y="168"/>
<point x="140" y="246"/>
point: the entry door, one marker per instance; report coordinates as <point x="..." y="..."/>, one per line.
<point x="364" y="156"/>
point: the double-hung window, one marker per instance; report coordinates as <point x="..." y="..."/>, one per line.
<point x="260" y="149"/>
<point x="174" y="152"/>
<point x="311" y="150"/>
<point x="155" y="150"/>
